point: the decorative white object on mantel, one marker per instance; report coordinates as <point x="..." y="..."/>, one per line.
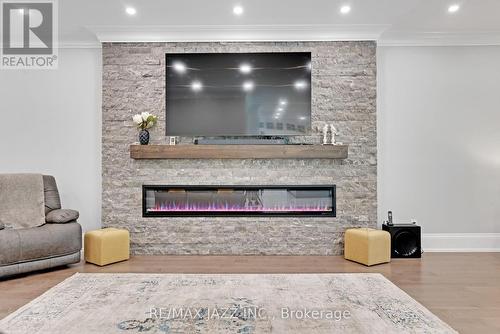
<point x="329" y="133"/>
<point x="325" y="134"/>
<point x="334" y="133"/>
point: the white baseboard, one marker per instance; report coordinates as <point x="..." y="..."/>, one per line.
<point x="461" y="242"/>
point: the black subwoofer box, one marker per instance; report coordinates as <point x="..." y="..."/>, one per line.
<point x="405" y="240"/>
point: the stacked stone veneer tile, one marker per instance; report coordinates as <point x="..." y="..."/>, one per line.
<point x="344" y="93"/>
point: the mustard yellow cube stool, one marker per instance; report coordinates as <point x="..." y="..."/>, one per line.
<point x="105" y="246"/>
<point x="367" y="246"/>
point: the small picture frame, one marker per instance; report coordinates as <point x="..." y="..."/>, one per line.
<point x="173" y="140"/>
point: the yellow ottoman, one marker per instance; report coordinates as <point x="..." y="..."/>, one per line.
<point x="106" y="246"/>
<point x="367" y="246"/>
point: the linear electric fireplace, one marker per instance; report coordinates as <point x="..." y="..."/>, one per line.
<point x="178" y="201"/>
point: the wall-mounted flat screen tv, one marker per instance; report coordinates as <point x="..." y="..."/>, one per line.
<point x="238" y="94"/>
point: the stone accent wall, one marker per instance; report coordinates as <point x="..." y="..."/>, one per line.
<point x="344" y="93"/>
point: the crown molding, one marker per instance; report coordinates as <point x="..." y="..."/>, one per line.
<point x="275" y="33"/>
<point x="238" y="33"/>
<point x="79" y="45"/>
<point x="409" y="38"/>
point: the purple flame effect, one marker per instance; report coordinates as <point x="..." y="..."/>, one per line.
<point x="225" y="207"/>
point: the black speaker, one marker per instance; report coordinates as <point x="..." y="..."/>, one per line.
<point x="405" y="240"/>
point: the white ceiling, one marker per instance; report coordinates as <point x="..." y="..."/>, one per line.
<point x="85" y="22"/>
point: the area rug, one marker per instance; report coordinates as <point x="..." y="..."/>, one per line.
<point x="246" y="303"/>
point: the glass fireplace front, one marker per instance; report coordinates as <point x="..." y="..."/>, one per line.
<point x="178" y="201"/>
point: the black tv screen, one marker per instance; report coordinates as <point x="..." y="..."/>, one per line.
<point x="238" y="94"/>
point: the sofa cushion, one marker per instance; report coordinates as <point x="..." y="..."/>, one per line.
<point x="61" y="216"/>
<point x="51" y="194"/>
<point x="49" y="240"/>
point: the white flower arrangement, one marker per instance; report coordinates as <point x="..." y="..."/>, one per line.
<point x="144" y="120"/>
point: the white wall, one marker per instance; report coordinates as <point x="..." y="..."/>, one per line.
<point x="51" y="123"/>
<point x="439" y="138"/>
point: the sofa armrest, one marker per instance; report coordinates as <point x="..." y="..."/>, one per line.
<point x="61" y="216"/>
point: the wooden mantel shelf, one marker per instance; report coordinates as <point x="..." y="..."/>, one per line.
<point x="238" y="151"/>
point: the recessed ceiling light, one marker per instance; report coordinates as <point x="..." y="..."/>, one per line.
<point x="248" y="86"/>
<point x="238" y="10"/>
<point x="131" y="11"/>
<point x="453" y="8"/>
<point x="345" y="9"/>
<point x="196" y="86"/>
<point x="283" y="102"/>
<point x="245" y="68"/>
<point x="302" y="118"/>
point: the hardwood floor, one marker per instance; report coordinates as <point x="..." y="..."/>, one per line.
<point x="463" y="289"/>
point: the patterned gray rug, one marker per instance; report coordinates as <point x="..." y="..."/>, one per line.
<point x="249" y="303"/>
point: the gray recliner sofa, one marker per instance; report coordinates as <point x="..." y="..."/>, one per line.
<point x="56" y="243"/>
